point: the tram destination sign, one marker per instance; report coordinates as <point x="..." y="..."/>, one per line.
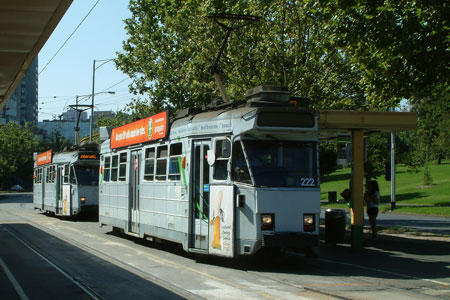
<point x="44" y="158"/>
<point x="88" y="156"/>
<point x="152" y="128"/>
<point x="286" y="119"/>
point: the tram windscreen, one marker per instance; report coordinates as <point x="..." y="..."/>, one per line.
<point x="282" y="163"/>
<point x="87" y="175"/>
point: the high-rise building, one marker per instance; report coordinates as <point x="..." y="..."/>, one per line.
<point x="22" y="106"/>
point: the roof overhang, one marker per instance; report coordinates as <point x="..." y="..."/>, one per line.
<point x="25" y="26"/>
<point x="333" y="124"/>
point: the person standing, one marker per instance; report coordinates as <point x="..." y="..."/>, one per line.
<point x="372" y="200"/>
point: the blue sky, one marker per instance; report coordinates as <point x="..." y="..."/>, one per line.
<point x="70" y="72"/>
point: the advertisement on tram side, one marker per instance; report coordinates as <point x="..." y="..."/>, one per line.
<point x="221" y="212"/>
<point x="44" y="158"/>
<point x="152" y="128"/>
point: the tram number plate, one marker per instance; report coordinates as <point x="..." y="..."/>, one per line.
<point x="307" y="181"/>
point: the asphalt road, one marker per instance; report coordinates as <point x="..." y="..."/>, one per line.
<point x="98" y="264"/>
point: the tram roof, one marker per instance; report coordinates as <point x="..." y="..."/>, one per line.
<point x="25" y="26"/>
<point x="333" y="124"/>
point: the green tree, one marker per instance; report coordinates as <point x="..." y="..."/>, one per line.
<point x="172" y="44"/>
<point x="432" y="138"/>
<point x="17" y="144"/>
<point x="400" y="47"/>
<point x="378" y="154"/>
<point x="327" y="158"/>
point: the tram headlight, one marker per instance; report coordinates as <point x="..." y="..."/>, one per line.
<point x="267" y="221"/>
<point x="83" y="200"/>
<point x="308" y="223"/>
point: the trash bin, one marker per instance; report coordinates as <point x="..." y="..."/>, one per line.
<point x="332" y="197"/>
<point x="334" y="226"/>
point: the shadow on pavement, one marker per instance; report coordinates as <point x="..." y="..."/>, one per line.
<point x="105" y="278"/>
<point x="389" y="257"/>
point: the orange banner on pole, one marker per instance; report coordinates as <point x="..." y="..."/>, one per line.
<point x="44" y="158"/>
<point x="148" y="129"/>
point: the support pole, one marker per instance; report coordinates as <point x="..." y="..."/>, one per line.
<point x="392" y="170"/>
<point x="77" y="128"/>
<point x="91" y="128"/>
<point x="357" y="212"/>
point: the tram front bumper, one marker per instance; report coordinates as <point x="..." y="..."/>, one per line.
<point x="290" y="240"/>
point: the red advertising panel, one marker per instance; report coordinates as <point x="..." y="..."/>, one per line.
<point x="148" y="129"/>
<point x="44" y="158"/>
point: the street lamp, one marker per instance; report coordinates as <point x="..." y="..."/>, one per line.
<point x="91" y="131"/>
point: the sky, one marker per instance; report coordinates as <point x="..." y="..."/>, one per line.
<point x="70" y="72"/>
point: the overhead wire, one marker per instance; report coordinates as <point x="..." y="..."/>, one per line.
<point x="65" y="42"/>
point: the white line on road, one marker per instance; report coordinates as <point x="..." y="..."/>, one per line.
<point x="13" y="281"/>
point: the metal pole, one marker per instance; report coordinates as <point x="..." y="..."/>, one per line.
<point x="76" y="137"/>
<point x="392" y="170"/>
<point x="357" y="213"/>
<point x="91" y="129"/>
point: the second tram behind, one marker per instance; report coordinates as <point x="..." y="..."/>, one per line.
<point x="228" y="181"/>
<point x="66" y="183"/>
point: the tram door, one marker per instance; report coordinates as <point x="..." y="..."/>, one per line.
<point x="42" y="180"/>
<point x="200" y="195"/>
<point x="133" y="216"/>
<point x="64" y="193"/>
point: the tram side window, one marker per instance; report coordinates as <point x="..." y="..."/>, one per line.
<point x="114" y="167"/>
<point x="123" y="166"/>
<point x="40" y="171"/>
<point x="53" y="174"/>
<point x="222" y="156"/>
<point x="149" y="171"/>
<point x="66" y="174"/>
<point x="73" y="179"/>
<point x="161" y="163"/>
<point x="50" y="174"/>
<point x="238" y="165"/>
<point x="47" y="174"/>
<point x="107" y="169"/>
<point x="174" y="162"/>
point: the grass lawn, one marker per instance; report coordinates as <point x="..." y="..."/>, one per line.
<point x="411" y="195"/>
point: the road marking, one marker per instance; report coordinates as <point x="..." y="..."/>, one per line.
<point x="387" y="272"/>
<point x="83" y="288"/>
<point x="13" y="281"/>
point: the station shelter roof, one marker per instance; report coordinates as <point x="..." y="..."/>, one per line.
<point x="25" y="26"/>
<point x="339" y="123"/>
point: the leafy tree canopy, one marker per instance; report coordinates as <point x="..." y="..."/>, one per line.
<point x="341" y="54"/>
<point x="171" y="46"/>
<point x="402" y="48"/>
<point x="17" y="144"/>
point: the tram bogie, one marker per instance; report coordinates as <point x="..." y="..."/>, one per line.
<point x="66" y="183"/>
<point x="228" y="181"/>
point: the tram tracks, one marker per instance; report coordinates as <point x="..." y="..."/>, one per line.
<point x="304" y="287"/>
<point x="99" y="253"/>
<point x="242" y="286"/>
<point x="85" y="288"/>
<point x="139" y="271"/>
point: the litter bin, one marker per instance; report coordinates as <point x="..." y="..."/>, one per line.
<point x="332" y="197"/>
<point x="334" y="226"/>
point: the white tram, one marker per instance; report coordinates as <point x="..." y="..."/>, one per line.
<point x="227" y="181"/>
<point x="66" y="183"/>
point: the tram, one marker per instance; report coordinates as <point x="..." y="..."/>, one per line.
<point x="66" y="183"/>
<point x="227" y="180"/>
